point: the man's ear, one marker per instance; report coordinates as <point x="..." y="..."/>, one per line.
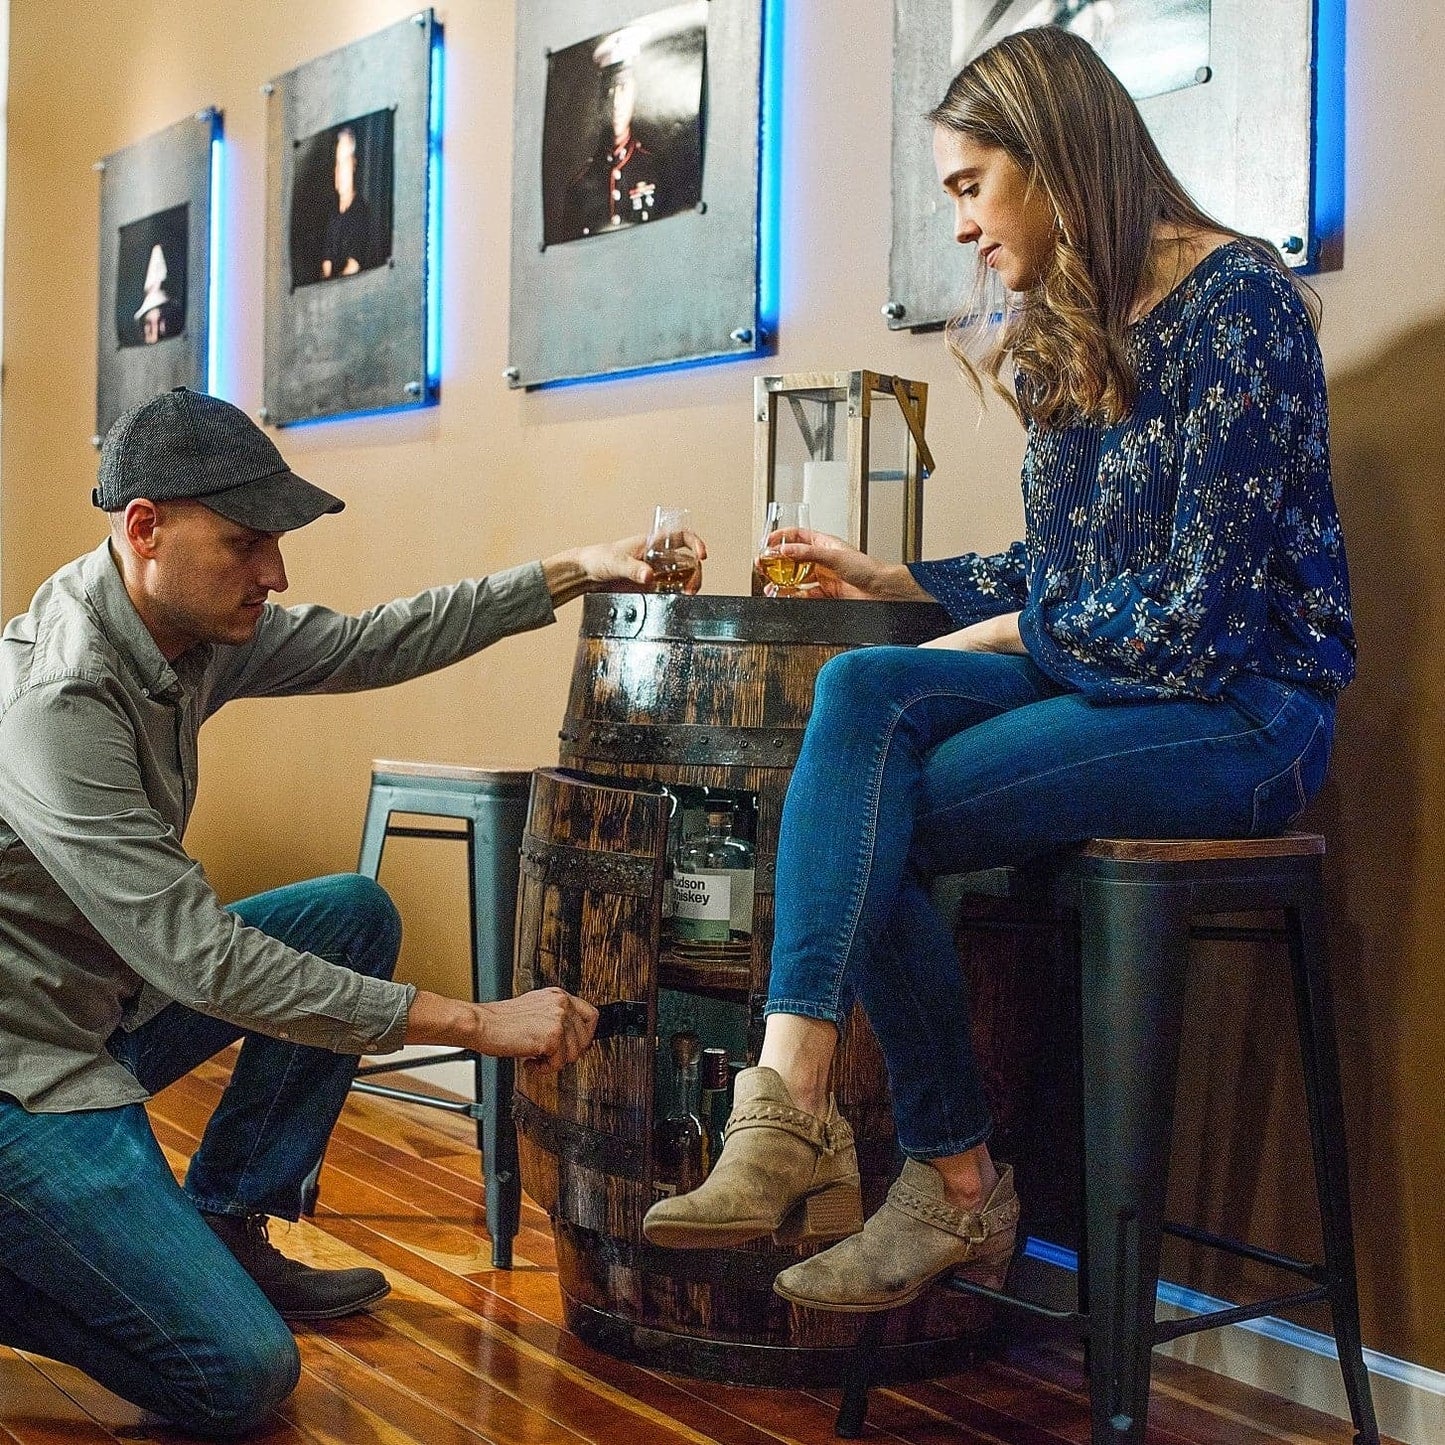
<point x="140" y="524"/>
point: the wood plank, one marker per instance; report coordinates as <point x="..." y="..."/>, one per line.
<point x="118" y="1419"/>
<point x="34" y="1410"/>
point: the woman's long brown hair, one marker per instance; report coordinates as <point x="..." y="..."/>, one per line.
<point x="1046" y="98"/>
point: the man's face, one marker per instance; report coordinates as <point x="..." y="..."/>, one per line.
<point x="345" y="169"/>
<point x="624" y="101"/>
<point x="208" y="578"/>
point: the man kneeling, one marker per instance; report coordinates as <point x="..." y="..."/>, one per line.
<point x="120" y="970"/>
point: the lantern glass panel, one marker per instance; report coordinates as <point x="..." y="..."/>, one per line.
<point x="887" y="477"/>
<point x="811" y="461"/>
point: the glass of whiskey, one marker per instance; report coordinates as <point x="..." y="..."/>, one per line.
<point x="669" y="550"/>
<point x="784" y="576"/>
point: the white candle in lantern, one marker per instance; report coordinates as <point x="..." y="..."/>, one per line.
<point x="825" y="490"/>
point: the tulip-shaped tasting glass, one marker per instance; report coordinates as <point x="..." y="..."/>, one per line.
<point x="669" y="552"/>
<point x="784" y="575"/>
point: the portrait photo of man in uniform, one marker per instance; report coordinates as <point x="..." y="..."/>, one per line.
<point x="150" y="288"/>
<point x="341" y="200"/>
<point x="623" y="128"/>
<point x="1153" y="46"/>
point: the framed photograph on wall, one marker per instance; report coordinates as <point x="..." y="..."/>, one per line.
<point x="154" y="328"/>
<point x="638" y="167"/>
<point x="352" y="151"/>
<point x="1230" y="91"/>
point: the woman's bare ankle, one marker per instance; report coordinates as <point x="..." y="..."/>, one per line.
<point x="968" y="1179"/>
<point x="807" y="1091"/>
<point x="800" y="1051"/>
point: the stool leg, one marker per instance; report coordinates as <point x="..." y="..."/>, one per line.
<point x="373" y="831"/>
<point x="373" y="840"/>
<point x="1135" y="941"/>
<point x="1314" y="1011"/>
<point x="494" y="840"/>
<point x="853" y="1408"/>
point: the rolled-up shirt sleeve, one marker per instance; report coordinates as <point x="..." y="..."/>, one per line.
<point x="96" y="833"/>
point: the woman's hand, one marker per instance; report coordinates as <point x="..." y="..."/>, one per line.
<point x="993" y="634"/>
<point x="841" y="570"/>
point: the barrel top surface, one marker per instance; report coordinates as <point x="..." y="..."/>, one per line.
<point x="802" y="621"/>
<point x="1202" y="850"/>
<point x="448" y="772"/>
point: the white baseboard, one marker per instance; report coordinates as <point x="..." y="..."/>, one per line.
<point x="1294" y="1363"/>
<point x="1301" y="1365"/>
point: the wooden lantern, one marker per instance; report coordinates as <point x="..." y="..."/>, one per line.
<point x="851" y="445"/>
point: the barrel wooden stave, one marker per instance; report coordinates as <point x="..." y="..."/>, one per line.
<point x="588" y="918"/>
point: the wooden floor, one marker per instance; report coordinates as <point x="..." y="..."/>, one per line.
<point x="461" y="1353"/>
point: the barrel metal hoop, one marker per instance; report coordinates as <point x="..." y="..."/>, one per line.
<point x="730" y="1268"/>
<point x="562" y="866"/>
<point x="688" y="744"/>
<point x="820" y="622"/>
<point x="577" y="1144"/>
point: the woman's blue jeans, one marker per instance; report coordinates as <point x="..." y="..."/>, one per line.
<point x="918" y="762"/>
<point x="105" y="1262"/>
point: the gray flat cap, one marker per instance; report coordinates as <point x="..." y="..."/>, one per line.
<point x="187" y="444"/>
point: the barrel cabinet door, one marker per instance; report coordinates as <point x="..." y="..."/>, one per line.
<point x="588" y="914"/>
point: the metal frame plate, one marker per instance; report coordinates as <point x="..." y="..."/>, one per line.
<point x="630" y="299"/>
<point x="1242" y="144"/>
<point x="354" y="343"/>
<point x="164" y="171"/>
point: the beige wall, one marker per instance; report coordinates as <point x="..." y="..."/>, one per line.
<point x="492" y="477"/>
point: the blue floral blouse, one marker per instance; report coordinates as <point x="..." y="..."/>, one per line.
<point x="1198" y="538"/>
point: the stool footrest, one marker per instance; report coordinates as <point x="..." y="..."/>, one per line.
<point x="1245" y="1251"/>
<point x="1166" y="1330"/>
<point x="1072" y="1318"/>
<point x="402" y="830"/>
<point x="452" y="1056"/>
<point x="408" y="1096"/>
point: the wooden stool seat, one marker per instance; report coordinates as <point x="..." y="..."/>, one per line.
<point x="443" y="772"/>
<point x="1202" y="850"/>
<point x="491" y="805"/>
<point x="1136" y="902"/>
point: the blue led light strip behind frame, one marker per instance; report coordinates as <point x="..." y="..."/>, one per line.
<point x="770" y="169"/>
<point x="434" y="220"/>
<point x="213" y="265"/>
<point x="1328" y="181"/>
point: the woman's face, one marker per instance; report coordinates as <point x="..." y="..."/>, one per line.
<point x="995" y="207"/>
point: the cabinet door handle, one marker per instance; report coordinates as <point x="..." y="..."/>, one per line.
<point x="621" y="1018"/>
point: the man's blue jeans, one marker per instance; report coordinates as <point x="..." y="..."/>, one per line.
<point x="105" y="1262"/>
<point x="918" y="762"/>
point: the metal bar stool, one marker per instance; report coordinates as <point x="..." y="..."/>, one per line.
<point x="491" y="804"/>
<point x="1137" y="901"/>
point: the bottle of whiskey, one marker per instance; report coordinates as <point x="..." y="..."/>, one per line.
<point x="712" y="884"/>
<point x="680" y="1142"/>
<point x="715" y="1103"/>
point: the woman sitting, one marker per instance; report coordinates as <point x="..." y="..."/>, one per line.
<point x="1159" y="657"/>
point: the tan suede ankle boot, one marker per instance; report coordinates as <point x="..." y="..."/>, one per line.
<point x="916" y="1237"/>
<point x="781" y="1172"/>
